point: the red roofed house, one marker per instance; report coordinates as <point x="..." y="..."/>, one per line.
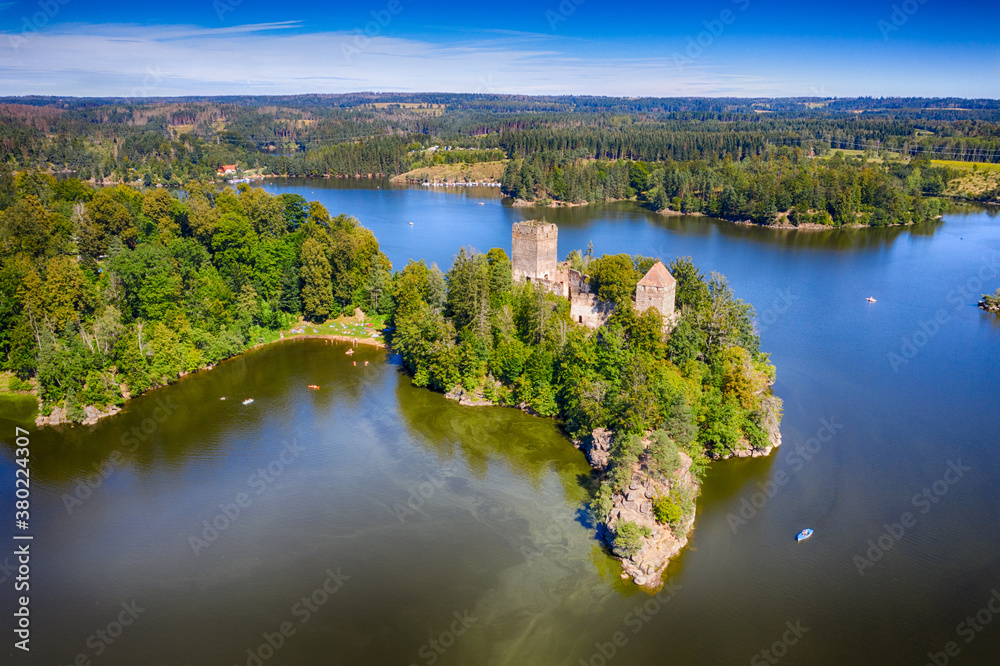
<point x="227" y="169"/>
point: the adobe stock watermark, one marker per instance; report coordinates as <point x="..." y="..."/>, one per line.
<point x="714" y="28"/>
<point x="130" y="441"/>
<point x="30" y="25"/>
<point x="636" y="619"/>
<point x="562" y="11"/>
<point x="893" y="533"/>
<point x="960" y="296"/>
<point x="420" y="493"/>
<point x="900" y="14"/>
<point x="303" y="610"/>
<point x="803" y="452"/>
<point x="104" y="638"/>
<point x="150" y="82"/>
<point x="432" y="650"/>
<point x="230" y="512"/>
<point x="969" y="629"/>
<point x="381" y="18"/>
<point x="821" y="91"/>
<point x="223" y="7"/>
<point x="779" y="648"/>
<point x="486" y="85"/>
<point x="784" y="300"/>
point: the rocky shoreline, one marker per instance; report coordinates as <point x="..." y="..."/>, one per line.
<point x="58" y="416"/>
<point x="991" y="302"/>
<point x="635" y="505"/>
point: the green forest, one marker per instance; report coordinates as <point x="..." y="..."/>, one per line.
<point x="704" y="388"/>
<point x="784" y="186"/>
<point x="108" y="292"/>
<point x="173" y="141"/>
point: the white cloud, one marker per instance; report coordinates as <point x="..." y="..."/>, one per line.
<point x="278" y="58"/>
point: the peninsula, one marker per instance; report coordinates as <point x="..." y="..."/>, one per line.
<point x="652" y="371"/>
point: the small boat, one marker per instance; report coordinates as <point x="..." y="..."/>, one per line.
<point x="222" y="398"/>
<point x="248" y="401"/>
<point x="804" y="534"/>
<point x="870" y="299"/>
<point x="411" y="224"/>
<point x="481" y="203"/>
<point x="313" y="387"/>
<point x="349" y="352"/>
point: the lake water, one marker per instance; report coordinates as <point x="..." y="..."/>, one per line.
<point x="379" y="523"/>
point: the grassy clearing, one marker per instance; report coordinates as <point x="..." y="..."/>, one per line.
<point x="975" y="183"/>
<point x="849" y="152"/>
<point x="9" y="383"/>
<point x="369" y="327"/>
<point x="455" y="173"/>
<point x="967" y="166"/>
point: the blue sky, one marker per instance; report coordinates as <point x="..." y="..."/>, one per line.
<point x="715" y="48"/>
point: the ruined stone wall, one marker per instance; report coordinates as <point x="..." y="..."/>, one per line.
<point x="587" y="310"/>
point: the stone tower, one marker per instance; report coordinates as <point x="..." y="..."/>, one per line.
<point x="656" y="290"/>
<point x="534" y="253"/>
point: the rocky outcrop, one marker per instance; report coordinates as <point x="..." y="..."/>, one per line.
<point x="93" y="415"/>
<point x="55" y="417"/>
<point x="59" y="415"/>
<point x="467" y="398"/>
<point x="635" y="505"/>
<point x="597" y="447"/>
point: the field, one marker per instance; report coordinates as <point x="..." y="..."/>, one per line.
<point x="481" y="172"/>
<point x="425" y="109"/>
<point x="967" y="166"/>
<point x="975" y="183"/>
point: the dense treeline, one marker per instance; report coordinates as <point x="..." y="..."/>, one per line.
<point x="783" y="186"/>
<point x="705" y="386"/>
<point x="173" y="141"/>
<point x="109" y="292"/>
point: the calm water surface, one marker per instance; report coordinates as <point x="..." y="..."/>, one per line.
<point x="454" y="535"/>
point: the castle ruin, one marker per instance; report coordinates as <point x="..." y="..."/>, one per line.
<point x="535" y="257"/>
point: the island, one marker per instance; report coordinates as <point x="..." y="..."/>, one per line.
<point x="991" y="302"/>
<point x="652" y="371"/>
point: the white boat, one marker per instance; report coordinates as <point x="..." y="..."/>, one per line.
<point x="411" y="224"/>
<point x="870" y="299"/>
<point x="804" y="534"/>
<point x="248" y="401"/>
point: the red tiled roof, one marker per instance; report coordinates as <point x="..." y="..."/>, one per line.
<point x="658" y="276"/>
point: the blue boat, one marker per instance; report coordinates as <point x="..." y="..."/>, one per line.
<point x="804" y="534"/>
